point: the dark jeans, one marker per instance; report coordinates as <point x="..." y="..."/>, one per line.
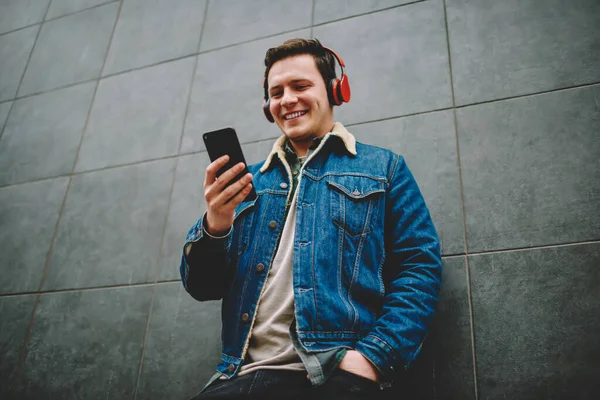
<point x="268" y="384"/>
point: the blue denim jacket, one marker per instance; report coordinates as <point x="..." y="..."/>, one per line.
<point x="366" y="267"/>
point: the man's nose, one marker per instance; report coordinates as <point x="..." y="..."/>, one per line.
<point x="288" y="99"/>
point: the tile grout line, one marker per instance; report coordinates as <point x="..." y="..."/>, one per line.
<point x="110" y="167"/>
<point x="193" y="79"/>
<point x="534" y="94"/>
<point x="114" y="1"/>
<point x="23" y="353"/>
<point x="97" y="80"/>
<point x="23" y="350"/>
<point x="170" y="200"/>
<point x="94" y="288"/>
<point x="498" y="100"/>
<point x="172" y="281"/>
<point x="81" y="11"/>
<point x="312" y="20"/>
<point x="462" y="205"/>
<point x="58" y="17"/>
<point x="144" y="340"/>
<point x="368" y="13"/>
<point x="14" y="100"/>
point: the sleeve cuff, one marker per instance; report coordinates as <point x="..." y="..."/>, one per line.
<point x="379" y="353"/>
<point x="217" y="237"/>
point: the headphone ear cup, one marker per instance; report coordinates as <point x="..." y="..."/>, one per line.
<point x="267" y="110"/>
<point x="334" y="92"/>
<point x="344" y="89"/>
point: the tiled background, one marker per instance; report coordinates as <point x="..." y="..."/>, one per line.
<point x="494" y="104"/>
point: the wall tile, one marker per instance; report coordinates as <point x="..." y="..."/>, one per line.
<point x="15" y="316"/>
<point x="451" y="335"/>
<point x="187" y="205"/>
<point x="536" y="323"/>
<point x="257" y="152"/>
<point x="215" y="104"/>
<point x="86" y="344"/>
<point x="152" y="31"/>
<point x="183" y="345"/>
<point x="444" y="368"/>
<point x="428" y="144"/>
<point x="328" y="10"/>
<point x="509" y="48"/>
<point x="63" y="7"/>
<point x="14" y="52"/>
<point x="111" y="228"/>
<point x="4" y="109"/>
<point x="15" y="14"/>
<point x="530" y="168"/>
<point x="397" y="61"/>
<point x="43" y="133"/>
<point x="28" y="215"/>
<point x="137" y="116"/>
<point x="69" y="50"/>
<point x="234" y="21"/>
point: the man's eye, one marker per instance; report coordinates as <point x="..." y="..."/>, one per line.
<point x="276" y="94"/>
<point x="302" y="87"/>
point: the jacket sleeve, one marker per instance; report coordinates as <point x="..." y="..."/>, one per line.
<point x="204" y="268"/>
<point x="412" y="276"/>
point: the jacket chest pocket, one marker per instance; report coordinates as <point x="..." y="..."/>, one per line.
<point x="354" y="202"/>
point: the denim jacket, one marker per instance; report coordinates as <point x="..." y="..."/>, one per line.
<point x="366" y="264"/>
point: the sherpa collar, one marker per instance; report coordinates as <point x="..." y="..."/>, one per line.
<point x="338" y="130"/>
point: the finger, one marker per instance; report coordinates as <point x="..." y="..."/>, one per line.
<point x="211" y="170"/>
<point x="238" y="198"/>
<point x="216" y="197"/>
<point x="228" y="175"/>
<point x="225" y="196"/>
<point x="235" y="187"/>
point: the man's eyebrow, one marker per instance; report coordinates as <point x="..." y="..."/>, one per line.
<point x="292" y="81"/>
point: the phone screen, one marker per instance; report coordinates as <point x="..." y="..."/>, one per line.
<point x="225" y="141"/>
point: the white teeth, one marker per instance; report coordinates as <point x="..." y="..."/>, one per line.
<point x="295" y="115"/>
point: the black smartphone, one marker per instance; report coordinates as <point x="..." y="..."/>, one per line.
<point x="225" y="141"/>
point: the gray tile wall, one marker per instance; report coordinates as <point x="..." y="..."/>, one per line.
<point x="495" y="106"/>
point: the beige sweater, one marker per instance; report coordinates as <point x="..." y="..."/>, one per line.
<point x="270" y="344"/>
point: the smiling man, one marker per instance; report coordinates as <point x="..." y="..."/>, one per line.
<point x="331" y="276"/>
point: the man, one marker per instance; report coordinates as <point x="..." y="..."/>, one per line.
<point x="330" y="278"/>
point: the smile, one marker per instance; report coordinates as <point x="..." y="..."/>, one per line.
<point x="297" y="114"/>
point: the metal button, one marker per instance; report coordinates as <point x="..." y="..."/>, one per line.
<point x="260" y="267"/>
<point x="283" y="185"/>
<point x="245" y="317"/>
<point x="296" y="172"/>
<point x="356" y="192"/>
<point x="231" y="368"/>
<point x="273" y="224"/>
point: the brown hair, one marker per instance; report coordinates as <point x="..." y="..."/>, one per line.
<point x="324" y="60"/>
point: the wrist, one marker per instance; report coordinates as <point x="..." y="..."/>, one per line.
<point x="214" y="233"/>
<point x="358" y="364"/>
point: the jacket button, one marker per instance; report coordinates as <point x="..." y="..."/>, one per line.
<point x="245" y="317"/>
<point x="273" y="224"/>
<point x="231" y="368"/>
<point x="283" y="185"/>
<point x="259" y="268"/>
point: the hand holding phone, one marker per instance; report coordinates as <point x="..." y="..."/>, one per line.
<point x="227" y="181"/>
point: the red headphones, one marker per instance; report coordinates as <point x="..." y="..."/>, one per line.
<point x="338" y="90"/>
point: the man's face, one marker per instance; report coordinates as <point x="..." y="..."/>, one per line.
<point x="299" y="102"/>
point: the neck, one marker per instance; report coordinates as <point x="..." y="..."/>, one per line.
<point x="301" y="146"/>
